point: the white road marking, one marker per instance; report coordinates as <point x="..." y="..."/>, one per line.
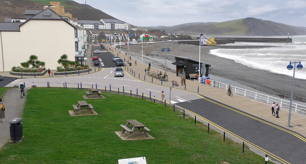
<point x="153" y="90"/>
<point x="173" y="102"/>
<point x="105" y="77"/>
<point x="181" y="99"/>
<point x="110" y="72"/>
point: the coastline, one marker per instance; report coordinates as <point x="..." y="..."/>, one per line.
<point x="223" y="70"/>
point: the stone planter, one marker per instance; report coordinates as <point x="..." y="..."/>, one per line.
<point x="72" y="72"/>
<point x="29" y="73"/>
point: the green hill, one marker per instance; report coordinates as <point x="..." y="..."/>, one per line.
<point x="246" y="27"/>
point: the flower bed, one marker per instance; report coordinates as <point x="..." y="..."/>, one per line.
<point x="72" y="72"/>
<point x="29" y="73"/>
<point x="27" y="70"/>
<point x="68" y="69"/>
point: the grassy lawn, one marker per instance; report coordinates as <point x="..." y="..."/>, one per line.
<point x="53" y="136"/>
<point x="2" y="90"/>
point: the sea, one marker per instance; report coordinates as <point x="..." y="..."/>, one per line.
<point x="273" y="59"/>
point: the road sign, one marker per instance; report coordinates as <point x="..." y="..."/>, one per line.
<point x="103" y="40"/>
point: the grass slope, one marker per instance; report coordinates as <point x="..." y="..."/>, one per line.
<point x="237" y="26"/>
<point x="52" y="136"/>
<point x="2" y="90"/>
<point x="47" y="2"/>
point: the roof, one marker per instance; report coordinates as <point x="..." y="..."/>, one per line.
<point x="190" y="59"/>
<point x="7" y="19"/>
<point x="9" y="26"/>
<point x="32" y="12"/>
<point x="91" y="22"/>
<point x="47" y="14"/>
<point x="111" y="21"/>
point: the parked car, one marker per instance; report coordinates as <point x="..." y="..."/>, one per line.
<point x="1" y="77"/>
<point x="102" y="47"/>
<point x="119" y="72"/>
<point x="95" y="58"/>
<point x="119" y="62"/>
<point x="97" y="51"/>
<point x="96" y="62"/>
<point x="115" y="58"/>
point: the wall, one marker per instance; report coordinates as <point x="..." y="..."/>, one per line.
<point x="48" y="40"/>
<point x="1" y="63"/>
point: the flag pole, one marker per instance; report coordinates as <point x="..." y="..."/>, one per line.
<point x="199" y="73"/>
<point x="142" y="49"/>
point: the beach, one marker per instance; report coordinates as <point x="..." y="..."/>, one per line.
<point x="222" y="69"/>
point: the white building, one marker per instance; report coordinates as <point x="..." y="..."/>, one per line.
<point x="104" y="24"/>
<point x="44" y="34"/>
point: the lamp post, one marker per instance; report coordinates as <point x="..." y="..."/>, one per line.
<point x="289" y="67"/>
<point x="163" y="49"/>
<point x="142" y="48"/>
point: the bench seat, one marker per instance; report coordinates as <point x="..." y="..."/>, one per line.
<point x="126" y="129"/>
<point x="146" y="129"/>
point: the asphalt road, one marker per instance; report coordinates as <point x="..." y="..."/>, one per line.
<point x="107" y="58"/>
<point x="6" y="81"/>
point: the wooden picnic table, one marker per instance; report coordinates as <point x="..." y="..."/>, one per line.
<point x="83" y="105"/>
<point x="135" y="124"/>
<point x="93" y="91"/>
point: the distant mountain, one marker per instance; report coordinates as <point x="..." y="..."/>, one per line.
<point x="246" y="27"/>
<point x="16" y="9"/>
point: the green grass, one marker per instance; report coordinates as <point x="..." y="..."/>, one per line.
<point x="53" y="136"/>
<point x="2" y="90"/>
<point x="234" y="24"/>
<point x="47" y="2"/>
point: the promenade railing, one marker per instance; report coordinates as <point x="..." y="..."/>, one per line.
<point x="260" y="96"/>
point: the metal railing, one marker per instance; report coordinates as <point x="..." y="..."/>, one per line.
<point x="260" y="97"/>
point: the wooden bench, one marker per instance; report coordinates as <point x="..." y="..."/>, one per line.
<point x="91" y="108"/>
<point x="146" y="129"/>
<point x="193" y="76"/>
<point x="76" y="108"/>
<point x="125" y="128"/>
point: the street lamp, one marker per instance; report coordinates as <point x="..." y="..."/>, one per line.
<point x="290" y="67"/>
<point x="163" y="49"/>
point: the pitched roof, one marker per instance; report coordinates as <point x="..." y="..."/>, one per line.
<point x="112" y="21"/>
<point x="47" y="14"/>
<point x="9" y="26"/>
<point x="92" y="22"/>
<point x="32" y="12"/>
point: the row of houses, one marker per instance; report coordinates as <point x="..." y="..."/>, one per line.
<point x="104" y="24"/>
<point x="43" y="33"/>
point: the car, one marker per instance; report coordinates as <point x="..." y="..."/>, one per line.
<point x="1" y="77"/>
<point x="95" y="58"/>
<point x="96" y="62"/>
<point x="119" y="62"/>
<point x="119" y="72"/>
<point x="115" y="58"/>
<point x="97" y="51"/>
<point x="102" y="47"/>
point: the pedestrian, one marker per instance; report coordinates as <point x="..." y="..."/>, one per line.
<point x="21" y="89"/>
<point x="124" y="59"/>
<point x="277" y="110"/>
<point x="158" y="72"/>
<point x="162" y="95"/>
<point x="145" y="71"/>
<point x="2" y="109"/>
<point x="135" y="62"/>
<point x="182" y="80"/>
<point x="49" y="71"/>
<point x="185" y="81"/>
<point x="273" y="109"/>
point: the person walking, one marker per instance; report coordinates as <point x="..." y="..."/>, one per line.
<point x="135" y="62"/>
<point x="21" y="89"/>
<point x="277" y="110"/>
<point x="162" y="95"/>
<point x="2" y="109"/>
<point x="182" y="80"/>
<point x="273" y="109"/>
<point x="145" y="71"/>
<point x="49" y="71"/>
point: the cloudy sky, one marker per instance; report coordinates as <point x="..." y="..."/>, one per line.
<point x="173" y="12"/>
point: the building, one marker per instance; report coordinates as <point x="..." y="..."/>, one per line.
<point x="44" y="34"/>
<point x="186" y="66"/>
<point x="104" y="24"/>
<point x="60" y="10"/>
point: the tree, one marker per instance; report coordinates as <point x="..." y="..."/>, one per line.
<point x="60" y="61"/>
<point x="64" y="57"/>
<point x="25" y="64"/>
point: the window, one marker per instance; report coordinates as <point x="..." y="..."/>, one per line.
<point x="75" y="33"/>
<point x="76" y="46"/>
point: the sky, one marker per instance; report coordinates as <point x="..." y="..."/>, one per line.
<point x="174" y="12"/>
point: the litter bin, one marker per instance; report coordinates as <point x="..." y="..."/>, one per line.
<point x="16" y="129"/>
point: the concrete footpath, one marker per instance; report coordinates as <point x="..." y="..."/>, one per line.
<point x="13" y="108"/>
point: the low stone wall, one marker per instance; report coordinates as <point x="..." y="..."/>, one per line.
<point x="72" y="72"/>
<point x="29" y="73"/>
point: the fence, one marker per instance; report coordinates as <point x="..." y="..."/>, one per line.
<point x="260" y="97"/>
<point x="139" y="94"/>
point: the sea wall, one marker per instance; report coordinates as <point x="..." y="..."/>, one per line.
<point x="225" y="40"/>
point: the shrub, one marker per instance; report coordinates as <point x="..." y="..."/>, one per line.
<point x="29" y="70"/>
<point x="86" y="66"/>
<point x="58" y="69"/>
<point x="79" y="67"/>
<point x="71" y="69"/>
<point x="82" y="67"/>
<point x="13" y="68"/>
<point x="66" y="69"/>
<point x="74" y="68"/>
<point x="24" y="70"/>
<point x="34" y="69"/>
<point x="39" y="70"/>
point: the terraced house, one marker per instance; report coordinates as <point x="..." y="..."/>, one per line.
<point x="43" y="33"/>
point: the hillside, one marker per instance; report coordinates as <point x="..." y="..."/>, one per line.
<point x="16" y="9"/>
<point x="246" y="27"/>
